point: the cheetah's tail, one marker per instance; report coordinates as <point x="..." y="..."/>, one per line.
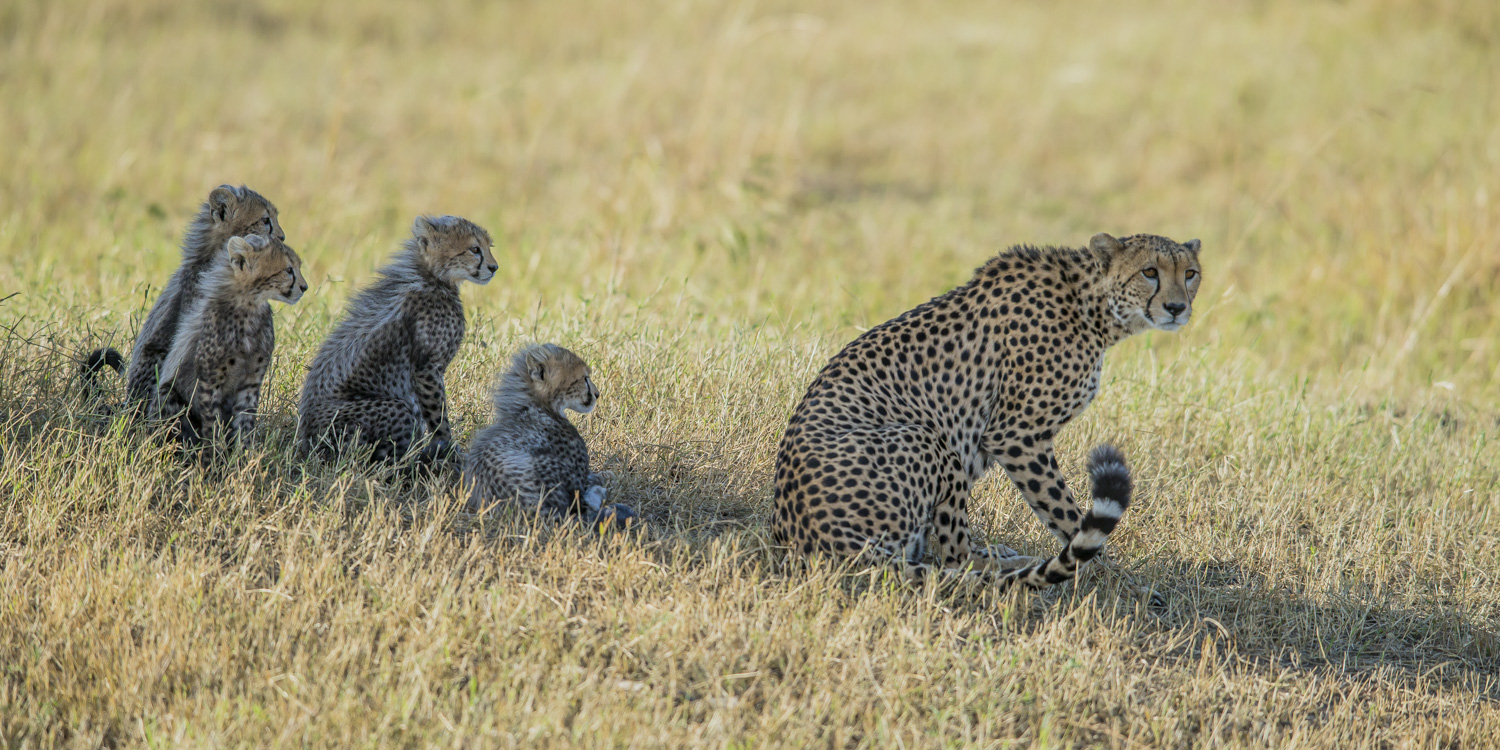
<point x="1112" y="490"/>
<point x="97" y="360"/>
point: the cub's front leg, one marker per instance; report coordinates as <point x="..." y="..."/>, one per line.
<point x="244" y="410"/>
<point x="432" y="399"/>
<point x="438" y="331"/>
<point x="212" y="399"/>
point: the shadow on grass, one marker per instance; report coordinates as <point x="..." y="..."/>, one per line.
<point x="1352" y="632"/>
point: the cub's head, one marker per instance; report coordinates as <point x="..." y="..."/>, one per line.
<point x="1152" y="280"/>
<point x="265" y="269"/>
<point x="555" y="378"/>
<point x="455" y="249"/>
<point x="237" y="212"/>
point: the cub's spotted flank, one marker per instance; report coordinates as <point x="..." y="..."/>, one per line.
<point x="886" y="445"/>
<point x="210" y="380"/>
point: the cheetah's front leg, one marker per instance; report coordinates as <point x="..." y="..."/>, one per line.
<point x="432" y="398"/>
<point x="1033" y="470"/>
<point x="245" y="404"/>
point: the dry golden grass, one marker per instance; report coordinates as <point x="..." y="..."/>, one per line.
<point x="706" y="201"/>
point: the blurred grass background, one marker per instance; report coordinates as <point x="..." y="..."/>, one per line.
<point x="706" y="200"/>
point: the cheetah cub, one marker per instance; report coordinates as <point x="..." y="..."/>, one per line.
<point x="229" y="212"/>
<point x="531" y="453"/>
<point x="378" y="378"/>
<point x="210" y="380"/>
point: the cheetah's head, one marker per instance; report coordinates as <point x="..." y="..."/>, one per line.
<point x="239" y="212"/>
<point x="556" y="378"/>
<point x="266" y="268"/>
<point x="454" y="248"/>
<point x="1152" y="279"/>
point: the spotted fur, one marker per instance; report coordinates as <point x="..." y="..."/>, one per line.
<point x="378" y="378"/>
<point x="228" y="212"/>
<point x="531" y="454"/>
<point x="210" y="380"/>
<point x="885" y="447"/>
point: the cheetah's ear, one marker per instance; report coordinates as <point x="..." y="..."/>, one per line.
<point x="536" y="359"/>
<point x="221" y="200"/>
<point x="1192" y="245"/>
<point x="423" y="229"/>
<point x="239" y="250"/>
<point x="1105" y="243"/>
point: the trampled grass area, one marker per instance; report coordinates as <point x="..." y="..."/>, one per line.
<point x="706" y="201"/>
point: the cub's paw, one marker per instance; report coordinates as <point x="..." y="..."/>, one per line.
<point x="615" y="517"/>
<point x="594" y="496"/>
<point x="440" y="451"/>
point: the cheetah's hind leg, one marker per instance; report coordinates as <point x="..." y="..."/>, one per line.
<point x="389" y="425"/>
<point x="904" y="561"/>
<point x="438" y="451"/>
<point x="1000" y="558"/>
<point x="984" y="564"/>
<point x="436" y="457"/>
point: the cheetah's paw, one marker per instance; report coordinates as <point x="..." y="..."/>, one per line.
<point x="594" y="497"/>
<point x="996" y="552"/>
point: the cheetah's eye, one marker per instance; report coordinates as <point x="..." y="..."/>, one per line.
<point x="1191" y="274"/>
<point x="1149" y="273"/>
<point x="266" y="221"/>
<point x="475" y="250"/>
<point x="291" y="271"/>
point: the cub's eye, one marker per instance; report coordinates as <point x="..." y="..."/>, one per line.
<point x="1191" y="274"/>
<point x="266" y="221"/>
<point x="1149" y="273"/>
<point x="475" y="250"/>
<point x="291" y="271"/>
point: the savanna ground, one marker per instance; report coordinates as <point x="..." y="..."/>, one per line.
<point x="707" y="201"/>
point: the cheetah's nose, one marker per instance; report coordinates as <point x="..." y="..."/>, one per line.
<point x="1175" y="308"/>
<point x="304" y="287"/>
<point x="493" y="267"/>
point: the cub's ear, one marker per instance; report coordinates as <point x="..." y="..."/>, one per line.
<point x="424" y="229"/>
<point x="221" y="200"/>
<point x="536" y="359"/>
<point x="239" y="250"/>
<point x="1104" y="243"/>
<point x="1192" y="245"/>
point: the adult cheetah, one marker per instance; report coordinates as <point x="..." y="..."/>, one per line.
<point x="885" y="447"/>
